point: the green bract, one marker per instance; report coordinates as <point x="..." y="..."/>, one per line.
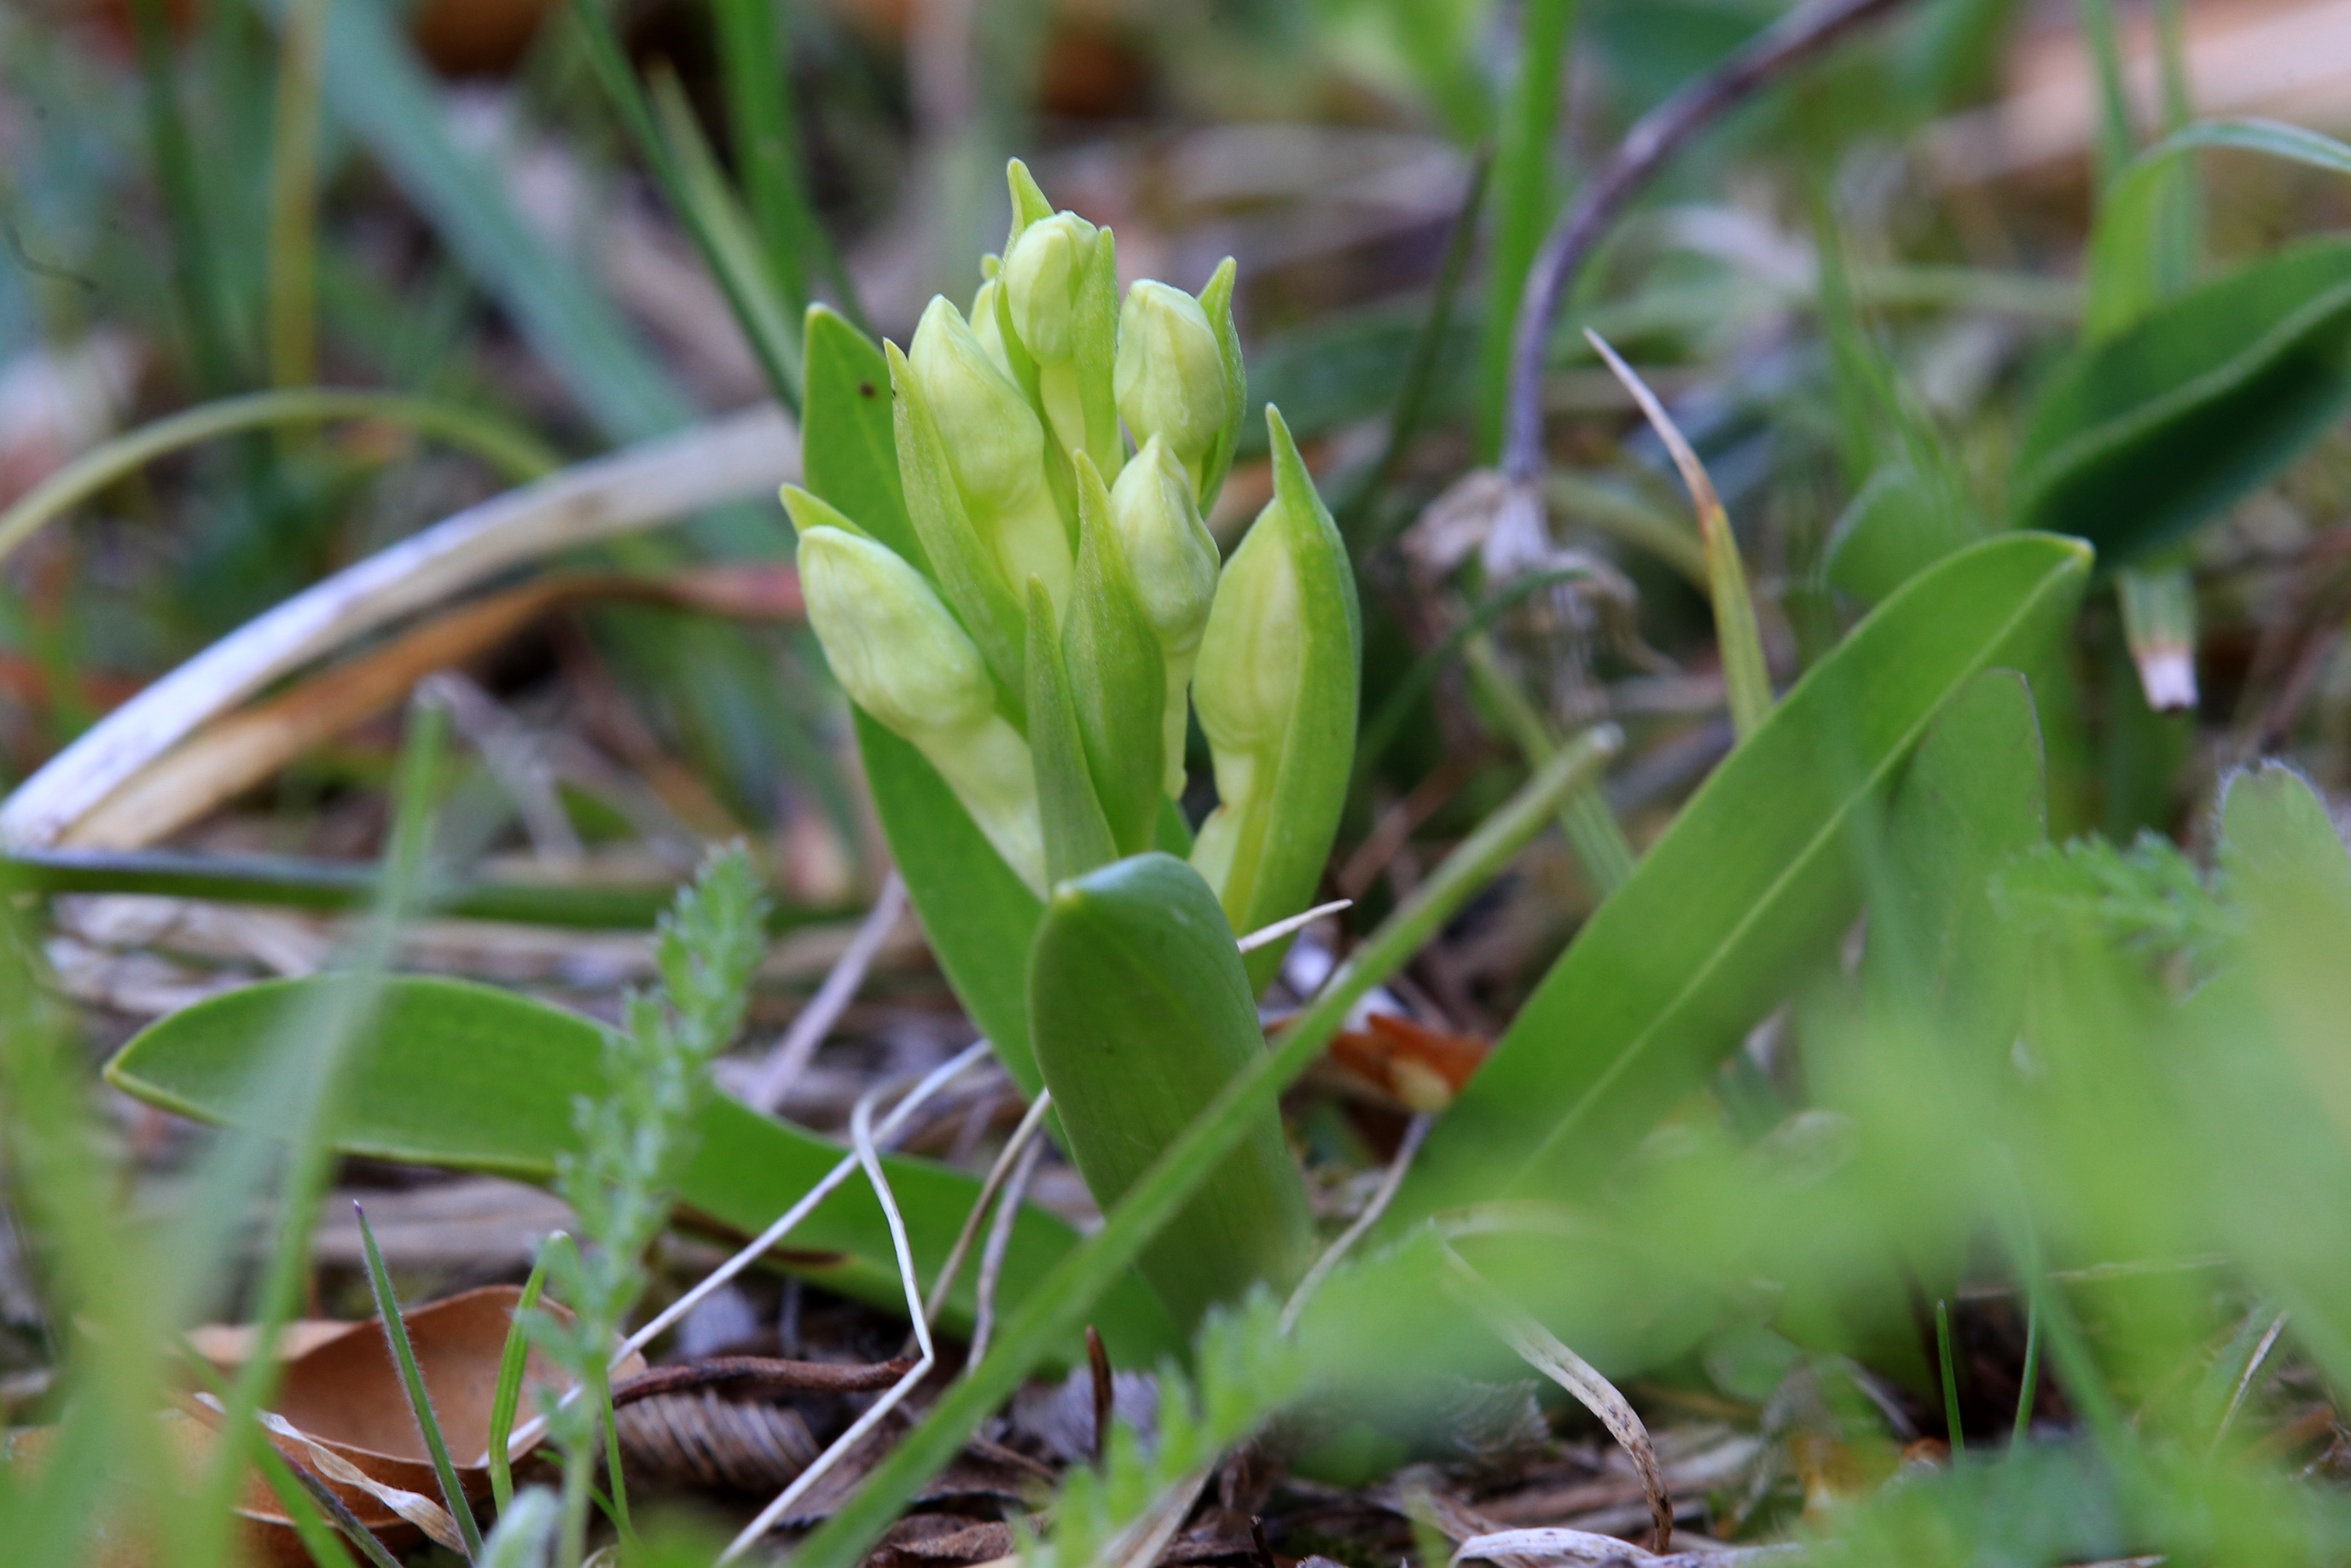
<point x="1031" y="611"/>
<point x="1276" y="690"/>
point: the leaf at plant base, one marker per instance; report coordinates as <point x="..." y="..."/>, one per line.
<point x="1141" y="1012"/>
<point x="1754" y="877"/>
<point x="2139" y="439"/>
<point x="1117" y="675"/>
<point x="472" y="1077"/>
<point x="976" y="912"/>
<point x="1077" y="835"/>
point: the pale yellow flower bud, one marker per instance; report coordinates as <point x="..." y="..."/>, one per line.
<point x="1246" y="687"/>
<point x="995" y="448"/>
<point x="1174" y="561"/>
<point x="1040" y="279"/>
<point x="1170" y="377"/>
<point x="902" y="657"/>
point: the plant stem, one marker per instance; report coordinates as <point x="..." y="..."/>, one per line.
<point x="294" y="198"/>
<point x="1522" y="168"/>
<point x="1057" y="1309"/>
<point x="1653" y="140"/>
<point x="1950" y="1384"/>
<point x="2115" y="140"/>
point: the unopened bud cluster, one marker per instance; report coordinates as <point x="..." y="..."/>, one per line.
<point x="1012" y="426"/>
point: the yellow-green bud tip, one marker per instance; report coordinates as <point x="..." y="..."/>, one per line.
<point x="1171" y="552"/>
<point x="1169" y="377"/>
<point x="1041" y="278"/>
<point x="993" y="438"/>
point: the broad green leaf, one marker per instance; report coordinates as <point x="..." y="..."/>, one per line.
<point x="1077" y="835"/>
<point x="2123" y="283"/>
<point x="976" y="911"/>
<point x="1754" y="877"/>
<point x="1973" y="799"/>
<point x="472" y="1077"/>
<point x="1142" y="1013"/>
<point x="1894" y="528"/>
<point x="2139" y="439"/>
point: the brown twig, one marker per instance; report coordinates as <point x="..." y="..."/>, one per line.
<point x="1654" y="139"/>
<point x="800" y="1377"/>
<point x="1105" y="1391"/>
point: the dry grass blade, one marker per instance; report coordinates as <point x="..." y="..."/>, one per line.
<point x="999" y="1242"/>
<point x="422" y="1511"/>
<point x="938" y="1079"/>
<point x="657" y="481"/>
<point x="1574" y="1545"/>
<point x="1015" y="1148"/>
<point x="791" y="1055"/>
<point x="243" y="749"/>
<point x="1542" y="1350"/>
<point x="1297" y="921"/>
<point x="1745" y="676"/>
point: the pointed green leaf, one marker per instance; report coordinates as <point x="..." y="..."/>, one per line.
<point x="1142" y="1013"/>
<point x="2143" y="437"/>
<point x="849" y="448"/>
<point x="1117" y="674"/>
<point x="468" y="1077"/>
<point x="1077" y="837"/>
<point x="1216" y="300"/>
<point x="1754" y="877"/>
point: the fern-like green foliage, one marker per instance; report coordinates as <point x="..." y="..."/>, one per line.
<point x="2150" y="897"/>
<point x="634" y="1141"/>
<point x="1247" y="1371"/>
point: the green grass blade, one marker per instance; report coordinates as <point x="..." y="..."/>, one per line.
<point x="2116" y="138"/>
<point x="376" y="85"/>
<point x="420" y="1401"/>
<point x="515" y="453"/>
<point x="1755" y="874"/>
<point x="294" y="198"/>
<point x="761" y="119"/>
<point x="769" y="316"/>
<point x="1527" y="192"/>
<point x="1053" y="1316"/>
<point x="1950" y="1381"/>
<point x="291" y="1086"/>
<point x="507" y="1395"/>
<point x="203" y="311"/>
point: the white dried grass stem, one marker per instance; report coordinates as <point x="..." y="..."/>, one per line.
<point x="1281" y="928"/>
<point x="999" y="1242"/>
<point x="1031" y="1124"/>
<point x="860" y="1129"/>
<point x="931" y="1082"/>
<point x="1574" y="1545"/>
<point x="791" y="1055"/>
<point x="728" y="459"/>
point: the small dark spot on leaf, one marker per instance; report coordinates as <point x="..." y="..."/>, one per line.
<point x="865" y="388"/>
